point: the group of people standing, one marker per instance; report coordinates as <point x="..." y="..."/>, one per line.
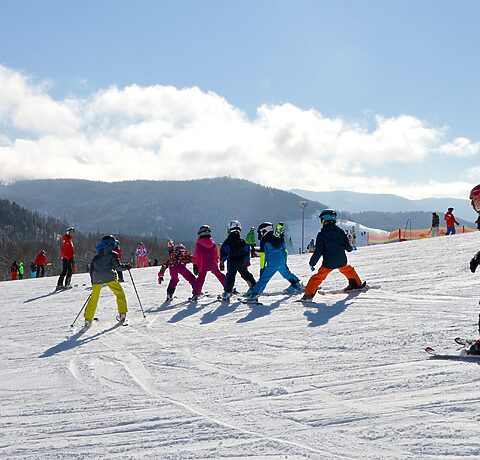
<point x="37" y="267"/>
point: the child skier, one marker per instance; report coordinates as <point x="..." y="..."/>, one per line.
<point x="176" y="263"/>
<point x="103" y="270"/>
<point x="273" y="258"/>
<point x="331" y="243"/>
<point x="205" y="259"/>
<point x="236" y="252"/>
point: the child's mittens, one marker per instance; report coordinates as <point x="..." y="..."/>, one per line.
<point x="195" y="270"/>
<point x="160" y="278"/>
<point x="312" y="268"/>
<point x="222" y="266"/>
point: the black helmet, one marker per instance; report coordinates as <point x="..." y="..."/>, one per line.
<point x="110" y="241"/>
<point x="204" y="230"/>
<point x="328" y="215"/>
<point x="263" y="229"/>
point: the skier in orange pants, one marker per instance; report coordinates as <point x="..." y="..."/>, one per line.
<point x="331" y="244"/>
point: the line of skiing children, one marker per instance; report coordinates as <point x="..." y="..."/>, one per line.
<point x="332" y="243"/>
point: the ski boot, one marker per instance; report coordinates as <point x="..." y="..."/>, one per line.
<point x="353" y="285"/>
<point x="253" y="297"/>
<point x="88" y="324"/>
<point x="294" y="287"/>
<point x="122" y="318"/>
<point x="194" y="298"/>
<point x="226" y="296"/>
<point x="306" y="298"/>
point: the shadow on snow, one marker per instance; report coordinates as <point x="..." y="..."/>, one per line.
<point x="76" y="340"/>
<point x="326" y="312"/>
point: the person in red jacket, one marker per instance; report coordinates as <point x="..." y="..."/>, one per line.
<point x="68" y="260"/>
<point x="450" y="221"/>
<point x="40" y="262"/>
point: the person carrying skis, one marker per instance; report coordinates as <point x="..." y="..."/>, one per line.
<point x="68" y="260"/>
<point x="273" y="259"/>
<point x="40" y="262"/>
<point x="205" y="259"/>
<point x="103" y="270"/>
<point x="177" y="265"/>
<point x="331" y="244"/>
<point x="250" y="239"/>
<point x="450" y="222"/>
<point x="14" y="270"/>
<point x="236" y="252"/>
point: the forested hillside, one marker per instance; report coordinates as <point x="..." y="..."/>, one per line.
<point x="161" y="209"/>
<point x="23" y="234"/>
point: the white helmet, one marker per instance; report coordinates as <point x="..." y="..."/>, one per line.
<point x="234" y="226"/>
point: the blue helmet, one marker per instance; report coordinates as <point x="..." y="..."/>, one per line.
<point x="107" y="242"/>
<point x="328" y="215"/>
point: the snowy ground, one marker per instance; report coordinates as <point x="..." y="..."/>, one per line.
<point x="344" y="378"/>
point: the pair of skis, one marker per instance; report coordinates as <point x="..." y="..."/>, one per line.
<point x="464" y="355"/>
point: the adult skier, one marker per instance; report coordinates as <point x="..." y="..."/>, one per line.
<point x="331" y="244"/>
<point x="250" y="239"/>
<point x="450" y="222"/>
<point x="67" y="254"/>
<point x="103" y="270"/>
<point x="273" y="259"/>
<point x="236" y="253"/>
<point x="40" y="262"/>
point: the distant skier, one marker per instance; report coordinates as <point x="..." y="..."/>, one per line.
<point x="205" y="259"/>
<point x="103" y="270"/>
<point x="250" y="239"/>
<point x="68" y="260"/>
<point x="311" y="246"/>
<point x="450" y="221"/>
<point x="21" y="270"/>
<point x="331" y="244"/>
<point x="14" y="270"/>
<point x="176" y="264"/>
<point x="117" y="250"/>
<point x="236" y="253"/>
<point x="273" y="259"/>
<point x="142" y="255"/>
<point x="435" y="224"/>
<point x="40" y="262"/>
<point x="33" y="270"/>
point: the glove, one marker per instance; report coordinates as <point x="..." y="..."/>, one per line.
<point x="195" y="270"/>
<point x="247" y="263"/>
<point x="312" y="268"/>
<point x="222" y="266"/>
<point x="160" y="279"/>
<point x="261" y="271"/>
<point x="473" y="264"/>
<point x="128" y="266"/>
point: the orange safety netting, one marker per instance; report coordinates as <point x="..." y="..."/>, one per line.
<point x="404" y="235"/>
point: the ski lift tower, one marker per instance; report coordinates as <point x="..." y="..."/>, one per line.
<point x="303" y="205"/>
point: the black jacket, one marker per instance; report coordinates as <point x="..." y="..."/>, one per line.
<point x="235" y="250"/>
<point x="331" y="244"/>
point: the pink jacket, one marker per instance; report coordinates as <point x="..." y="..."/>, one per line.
<point x="205" y="255"/>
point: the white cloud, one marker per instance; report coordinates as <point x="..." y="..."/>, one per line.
<point x="161" y="132"/>
<point x="461" y="147"/>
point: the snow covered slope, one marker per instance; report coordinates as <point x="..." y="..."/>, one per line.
<point x="345" y="377"/>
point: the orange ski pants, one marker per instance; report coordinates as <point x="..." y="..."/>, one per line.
<point x="347" y="270"/>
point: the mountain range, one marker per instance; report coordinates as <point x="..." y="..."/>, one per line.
<point x="354" y="202"/>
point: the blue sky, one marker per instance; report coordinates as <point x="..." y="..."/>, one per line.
<point x="380" y="95"/>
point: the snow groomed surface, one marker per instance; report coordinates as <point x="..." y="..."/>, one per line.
<point x="343" y="377"/>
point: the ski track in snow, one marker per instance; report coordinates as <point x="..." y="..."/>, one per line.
<point x="343" y="377"/>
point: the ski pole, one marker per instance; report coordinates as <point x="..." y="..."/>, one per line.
<point x="84" y="305"/>
<point x="136" y="292"/>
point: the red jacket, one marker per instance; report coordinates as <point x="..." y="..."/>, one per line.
<point x="67" y="248"/>
<point x="41" y="259"/>
<point x="450" y="219"/>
